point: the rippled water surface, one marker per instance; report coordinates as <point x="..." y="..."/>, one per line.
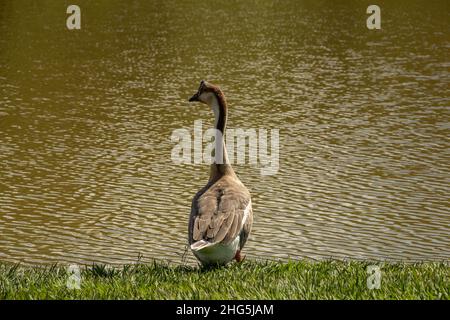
<point x="86" y="117"/>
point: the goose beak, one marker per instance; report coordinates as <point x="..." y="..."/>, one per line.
<point x="194" y="98"/>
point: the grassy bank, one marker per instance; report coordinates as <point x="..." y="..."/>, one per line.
<point x="248" y="280"/>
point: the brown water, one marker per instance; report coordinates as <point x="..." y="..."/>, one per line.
<point x="86" y="117"/>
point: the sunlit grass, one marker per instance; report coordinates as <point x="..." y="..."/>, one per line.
<point x="248" y="280"/>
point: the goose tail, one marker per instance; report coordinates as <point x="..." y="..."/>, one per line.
<point x="202" y="244"/>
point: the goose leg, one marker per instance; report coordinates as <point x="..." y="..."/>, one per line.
<point x="238" y="256"/>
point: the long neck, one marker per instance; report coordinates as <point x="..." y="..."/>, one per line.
<point x="219" y="107"/>
<point x="222" y="164"/>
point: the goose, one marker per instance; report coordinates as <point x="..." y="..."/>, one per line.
<point x="221" y="214"/>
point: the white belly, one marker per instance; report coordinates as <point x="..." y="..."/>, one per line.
<point x="217" y="253"/>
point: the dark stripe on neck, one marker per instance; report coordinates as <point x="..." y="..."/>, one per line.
<point x="222" y="121"/>
<point x="222" y="167"/>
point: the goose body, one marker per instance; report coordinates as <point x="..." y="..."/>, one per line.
<point x="221" y="214"/>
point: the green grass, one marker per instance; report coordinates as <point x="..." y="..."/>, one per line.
<point x="248" y="280"/>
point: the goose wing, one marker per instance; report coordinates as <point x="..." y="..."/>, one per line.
<point x="247" y="227"/>
<point x="220" y="214"/>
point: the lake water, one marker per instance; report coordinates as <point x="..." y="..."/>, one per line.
<point x="86" y="117"/>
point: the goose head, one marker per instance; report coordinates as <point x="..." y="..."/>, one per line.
<point x="211" y="95"/>
<point x="206" y="93"/>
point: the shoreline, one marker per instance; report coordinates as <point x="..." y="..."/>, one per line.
<point x="292" y="280"/>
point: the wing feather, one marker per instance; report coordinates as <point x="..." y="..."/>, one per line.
<point x="218" y="213"/>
